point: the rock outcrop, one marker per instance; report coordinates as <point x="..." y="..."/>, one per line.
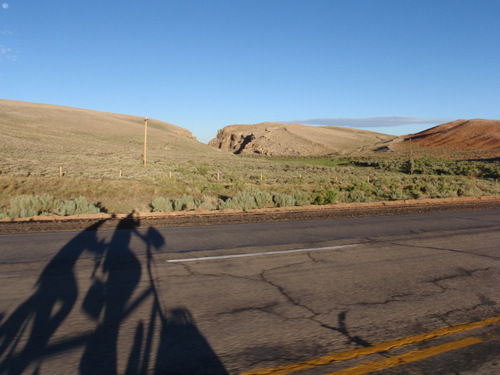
<point x="276" y="139"/>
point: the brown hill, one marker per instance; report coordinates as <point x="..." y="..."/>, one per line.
<point x="276" y="139"/>
<point x="36" y="138"/>
<point x="458" y="136"/>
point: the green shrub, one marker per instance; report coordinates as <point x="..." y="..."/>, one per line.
<point x="245" y="200"/>
<point x="45" y="204"/>
<point x="27" y="205"/>
<point x="331" y="196"/>
<point x="75" y="207"/>
<point x="326" y="197"/>
<point x="469" y="190"/>
<point x="207" y="206"/>
<point x="263" y="199"/>
<point x="319" y="200"/>
<point x="185" y="203"/>
<point x="283" y="200"/>
<point x="396" y="195"/>
<point x="358" y="196"/>
<point x="301" y="198"/>
<point x="202" y="169"/>
<point x="227" y="204"/>
<point x="249" y="199"/>
<point x="208" y="202"/>
<point x="343" y="197"/>
<point x="161" y="204"/>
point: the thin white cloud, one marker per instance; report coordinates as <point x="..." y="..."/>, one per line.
<point x="371" y="122"/>
<point x="5" y="5"/>
<point x="4" y="50"/>
<point x="7" y="54"/>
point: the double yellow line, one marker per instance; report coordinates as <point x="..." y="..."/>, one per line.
<point x="386" y="346"/>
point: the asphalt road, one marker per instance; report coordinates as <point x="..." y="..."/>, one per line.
<point x="411" y="294"/>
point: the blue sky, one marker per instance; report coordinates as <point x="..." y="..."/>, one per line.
<point x="395" y="66"/>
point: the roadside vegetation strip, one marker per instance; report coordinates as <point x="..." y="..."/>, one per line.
<point x="374" y="349"/>
<point x="260" y="254"/>
<point x="280" y="214"/>
<point x="224" y="181"/>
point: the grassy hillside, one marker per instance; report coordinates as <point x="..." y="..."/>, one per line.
<point x="37" y="139"/>
<point x="93" y="147"/>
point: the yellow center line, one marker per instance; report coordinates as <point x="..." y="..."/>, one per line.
<point x="408" y="357"/>
<point x="377" y="348"/>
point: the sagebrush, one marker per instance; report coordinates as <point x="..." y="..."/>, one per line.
<point x="243" y="182"/>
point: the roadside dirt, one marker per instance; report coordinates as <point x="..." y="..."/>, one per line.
<point x="192" y="218"/>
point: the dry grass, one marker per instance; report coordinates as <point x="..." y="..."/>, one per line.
<point x="92" y="147"/>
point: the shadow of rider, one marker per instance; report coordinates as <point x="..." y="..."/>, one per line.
<point x="122" y="272"/>
<point x="54" y="298"/>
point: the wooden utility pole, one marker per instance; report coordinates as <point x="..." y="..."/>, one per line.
<point x="412" y="164"/>
<point x="145" y="139"/>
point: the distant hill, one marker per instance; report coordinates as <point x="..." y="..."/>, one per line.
<point x="276" y="139"/>
<point x="457" y="136"/>
<point x="34" y="138"/>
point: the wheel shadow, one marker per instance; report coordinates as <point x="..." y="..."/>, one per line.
<point x="123" y="292"/>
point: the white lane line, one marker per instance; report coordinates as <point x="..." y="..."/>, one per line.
<point x="258" y="254"/>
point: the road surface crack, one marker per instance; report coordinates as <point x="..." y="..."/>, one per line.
<point x="342" y="328"/>
<point x="394" y="298"/>
<point x="444" y="317"/>
<point x="287" y="296"/>
<point x="462" y="272"/>
<point x="445" y="249"/>
<point x="266" y="308"/>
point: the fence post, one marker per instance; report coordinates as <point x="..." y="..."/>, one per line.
<point x="60" y="172"/>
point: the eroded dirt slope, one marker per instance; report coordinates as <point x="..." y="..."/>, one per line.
<point x="276" y="139"/>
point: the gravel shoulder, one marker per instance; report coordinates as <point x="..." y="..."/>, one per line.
<point x="194" y="218"/>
